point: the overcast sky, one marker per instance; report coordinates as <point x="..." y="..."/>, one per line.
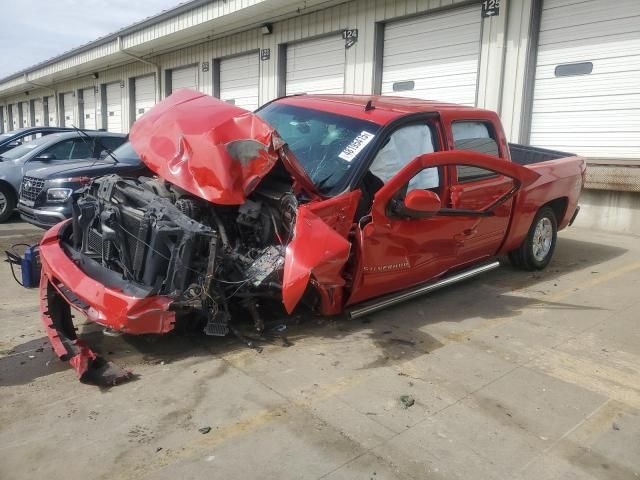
<point x="36" y="30"/>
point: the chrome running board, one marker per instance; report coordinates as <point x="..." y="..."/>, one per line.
<point x="421" y="290"/>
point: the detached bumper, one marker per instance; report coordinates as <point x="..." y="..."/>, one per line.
<point x="63" y="285"/>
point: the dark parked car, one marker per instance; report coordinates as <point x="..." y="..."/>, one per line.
<point x="53" y="149"/>
<point x="45" y="191"/>
<point x="17" y="137"/>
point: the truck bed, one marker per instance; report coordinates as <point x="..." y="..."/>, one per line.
<point x="528" y="155"/>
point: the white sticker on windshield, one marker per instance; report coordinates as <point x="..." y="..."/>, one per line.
<point x="356" y="146"/>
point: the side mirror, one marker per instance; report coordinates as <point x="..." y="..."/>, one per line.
<point x="103" y="154"/>
<point x="424" y="201"/>
<point x="45" y="157"/>
<point x="14" y="144"/>
<point x="418" y="204"/>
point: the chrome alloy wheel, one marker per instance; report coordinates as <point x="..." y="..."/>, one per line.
<point x="542" y="239"/>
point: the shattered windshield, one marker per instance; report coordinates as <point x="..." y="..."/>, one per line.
<point x="327" y="145"/>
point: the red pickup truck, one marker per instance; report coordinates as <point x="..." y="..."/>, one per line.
<point x="345" y="203"/>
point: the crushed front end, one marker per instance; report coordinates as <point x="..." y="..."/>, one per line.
<point x="218" y="232"/>
<point x="143" y="256"/>
<point x="204" y="257"/>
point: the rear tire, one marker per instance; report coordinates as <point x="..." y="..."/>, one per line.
<point x="7" y="202"/>
<point x="537" y="248"/>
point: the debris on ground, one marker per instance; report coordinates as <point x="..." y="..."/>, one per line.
<point x="204" y="430"/>
<point x="615" y="426"/>
<point x="402" y="341"/>
<point x="407" y="401"/>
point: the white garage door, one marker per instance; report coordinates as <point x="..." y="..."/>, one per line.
<point x="239" y="80"/>
<point x="38" y="113"/>
<point x="13" y="117"/>
<point x="587" y="87"/>
<point x="145" y="94"/>
<point x="114" y="108"/>
<point x="24" y="114"/>
<point x="316" y="66"/>
<point x="184" y="78"/>
<point x="434" y="57"/>
<point x="67" y="100"/>
<point x="89" y="117"/>
<point x="52" y="112"/>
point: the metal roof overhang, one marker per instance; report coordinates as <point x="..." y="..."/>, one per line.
<point x="142" y="41"/>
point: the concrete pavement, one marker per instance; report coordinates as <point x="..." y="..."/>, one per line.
<point x="515" y="375"/>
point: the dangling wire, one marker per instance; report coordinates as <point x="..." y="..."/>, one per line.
<point x="15" y="259"/>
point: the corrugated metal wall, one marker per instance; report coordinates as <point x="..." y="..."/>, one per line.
<point x="198" y="15"/>
<point x="500" y="81"/>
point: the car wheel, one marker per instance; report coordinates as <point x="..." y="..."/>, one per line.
<point x="7" y="202"/>
<point x="537" y="249"/>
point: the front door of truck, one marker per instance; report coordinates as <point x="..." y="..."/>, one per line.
<point x="401" y="246"/>
<point x="474" y="189"/>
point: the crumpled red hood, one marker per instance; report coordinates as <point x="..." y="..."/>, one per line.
<point x="212" y="149"/>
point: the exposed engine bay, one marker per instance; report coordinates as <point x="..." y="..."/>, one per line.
<point x="212" y="260"/>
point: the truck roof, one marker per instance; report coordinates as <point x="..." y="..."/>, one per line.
<point x="387" y="108"/>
